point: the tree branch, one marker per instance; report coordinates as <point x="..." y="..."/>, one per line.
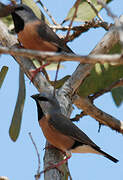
<point x="4" y="178"/>
<point x="65" y="93"/>
<point x="82" y="71"/>
<point x="53" y="155"/>
<point x="99" y="115"/>
<point x="104" y="46"/>
<point x="96" y="95"/>
<point x="115" y="59"/>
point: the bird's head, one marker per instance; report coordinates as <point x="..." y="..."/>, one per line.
<point x="46" y="97"/>
<point x="23" y="11"/>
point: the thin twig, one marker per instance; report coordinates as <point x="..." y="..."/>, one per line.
<point x="74" y="15"/>
<point x="118" y="23"/>
<point x="95" y="10"/>
<point x="43" y="69"/>
<point x="103" y="4"/>
<point x="78" y="30"/>
<point x="48" y="13"/>
<point x="103" y="91"/>
<point x="37" y="176"/>
<point x="67" y="36"/>
<point x="84" y="27"/>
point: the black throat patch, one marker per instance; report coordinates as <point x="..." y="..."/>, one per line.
<point x="40" y="112"/>
<point x="18" y="22"/>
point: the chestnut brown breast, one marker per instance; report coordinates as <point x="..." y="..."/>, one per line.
<point x="30" y="39"/>
<point x="54" y="137"/>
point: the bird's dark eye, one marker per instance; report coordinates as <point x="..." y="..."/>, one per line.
<point x="43" y="99"/>
<point x="20" y="8"/>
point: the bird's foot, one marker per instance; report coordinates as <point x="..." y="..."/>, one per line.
<point x="48" y="147"/>
<point x="34" y="72"/>
<point x="52" y="166"/>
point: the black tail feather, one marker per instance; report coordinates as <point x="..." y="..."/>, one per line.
<point x="109" y="156"/>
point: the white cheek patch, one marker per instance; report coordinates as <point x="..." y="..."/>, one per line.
<point x="85" y="149"/>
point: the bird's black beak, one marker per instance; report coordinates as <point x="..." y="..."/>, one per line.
<point x="35" y="96"/>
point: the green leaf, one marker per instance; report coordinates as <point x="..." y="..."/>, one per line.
<point x="96" y="82"/>
<point x="85" y="12"/>
<point x="102" y="77"/>
<point x="117" y="94"/>
<point x="116" y="49"/>
<point x="36" y="9"/>
<point x="17" y="116"/>
<point x="3" y="73"/>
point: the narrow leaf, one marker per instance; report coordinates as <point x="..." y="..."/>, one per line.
<point x="17" y="116"/>
<point x="3" y="73"/>
<point x="117" y="94"/>
<point x="98" y="81"/>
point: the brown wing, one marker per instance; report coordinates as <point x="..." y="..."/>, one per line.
<point x="65" y="126"/>
<point x="48" y="34"/>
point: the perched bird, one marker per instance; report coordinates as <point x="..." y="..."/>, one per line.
<point x="32" y="32"/>
<point x="61" y="132"/>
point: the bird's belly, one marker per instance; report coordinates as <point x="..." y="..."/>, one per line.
<point x="84" y="149"/>
<point x="55" y="138"/>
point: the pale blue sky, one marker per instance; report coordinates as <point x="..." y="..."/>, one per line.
<point x="18" y="159"/>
